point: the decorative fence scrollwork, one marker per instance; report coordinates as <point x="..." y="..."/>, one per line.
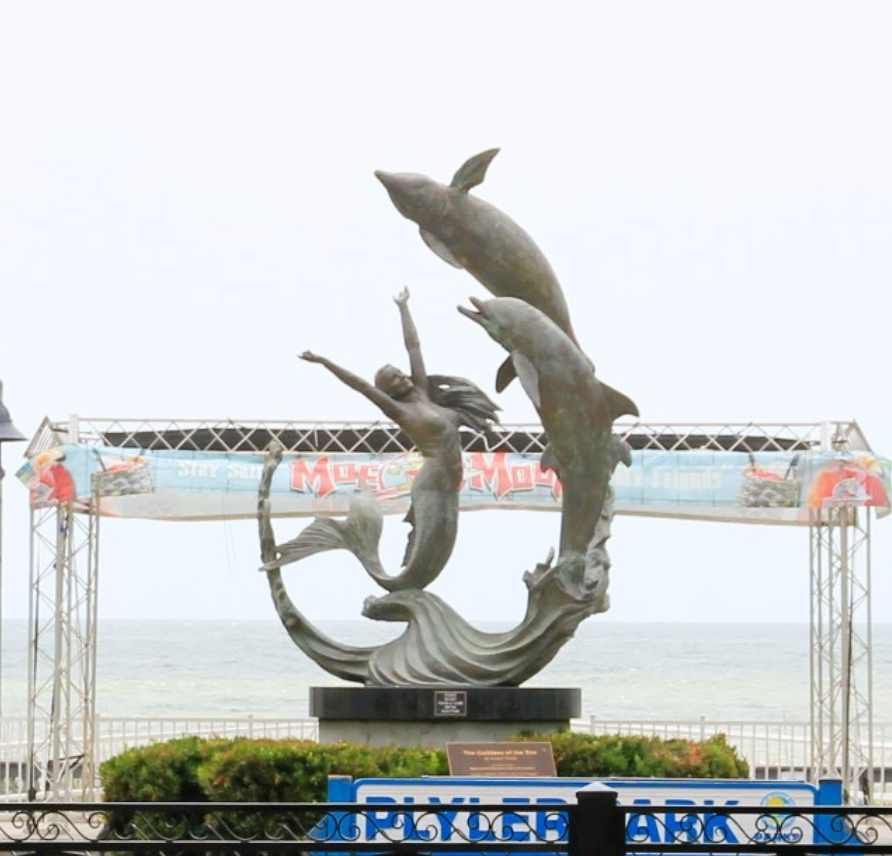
<point x="253" y="828"/>
<point x="594" y="827"/>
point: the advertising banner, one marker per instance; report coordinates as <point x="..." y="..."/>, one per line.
<point x="765" y="487"/>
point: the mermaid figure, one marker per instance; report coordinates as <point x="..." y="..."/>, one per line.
<point x="430" y="409"/>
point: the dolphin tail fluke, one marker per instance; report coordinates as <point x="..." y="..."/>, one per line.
<point x="360" y="533"/>
<point x="505" y="375"/>
<point x="620" y="405"/>
<point x="473" y="171"/>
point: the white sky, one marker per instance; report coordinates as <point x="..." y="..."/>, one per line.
<point x="187" y="201"/>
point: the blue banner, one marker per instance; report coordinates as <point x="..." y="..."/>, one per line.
<point x="779" y="487"/>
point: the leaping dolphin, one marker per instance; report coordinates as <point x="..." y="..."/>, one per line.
<point x="576" y="409"/>
<point x="472" y="234"/>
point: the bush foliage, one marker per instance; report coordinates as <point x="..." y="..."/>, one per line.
<point x="243" y="770"/>
<point x="603" y="755"/>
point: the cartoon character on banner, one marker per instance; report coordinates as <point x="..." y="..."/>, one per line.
<point x="48" y="480"/>
<point x="861" y="480"/>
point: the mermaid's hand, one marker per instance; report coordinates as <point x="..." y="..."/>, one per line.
<point x="402" y="298"/>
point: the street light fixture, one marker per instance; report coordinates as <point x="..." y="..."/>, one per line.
<point x="8" y="433"/>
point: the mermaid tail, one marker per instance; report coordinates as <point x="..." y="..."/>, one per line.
<point x="360" y="533"/>
<point x="432" y="515"/>
<point x="344" y="661"/>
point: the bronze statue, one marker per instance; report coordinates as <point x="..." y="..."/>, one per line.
<point x="577" y="411"/>
<point x="472" y="234"/>
<point x="430" y="409"/>
<point x="438" y="647"/>
<point x="529" y="319"/>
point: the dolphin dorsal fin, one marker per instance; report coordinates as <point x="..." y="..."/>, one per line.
<point x="473" y="171"/>
<point x="620" y="405"/>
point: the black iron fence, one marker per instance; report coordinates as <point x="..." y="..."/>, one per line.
<point x="597" y="825"/>
<point x="601" y="827"/>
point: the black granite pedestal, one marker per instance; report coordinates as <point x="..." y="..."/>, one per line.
<point x="432" y="716"/>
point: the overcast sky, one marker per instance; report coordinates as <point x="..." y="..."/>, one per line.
<point x="187" y="201"/>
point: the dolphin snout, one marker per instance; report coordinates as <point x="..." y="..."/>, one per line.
<point x="388" y="179"/>
<point x="477" y="316"/>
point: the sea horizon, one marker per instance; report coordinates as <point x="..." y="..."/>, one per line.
<point x="625" y="670"/>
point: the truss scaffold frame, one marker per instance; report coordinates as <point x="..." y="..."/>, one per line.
<point x="65" y="565"/>
<point x="62" y="653"/>
<point x="841" y="647"/>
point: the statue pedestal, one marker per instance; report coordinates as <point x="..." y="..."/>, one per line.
<point x="433" y="716"/>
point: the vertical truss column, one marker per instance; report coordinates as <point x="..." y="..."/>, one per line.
<point x="62" y="653"/>
<point x="841" y="646"/>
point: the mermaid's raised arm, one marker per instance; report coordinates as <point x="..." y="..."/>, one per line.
<point x="390" y="407"/>
<point x="413" y="345"/>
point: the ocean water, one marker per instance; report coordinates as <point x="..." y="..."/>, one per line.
<point x="625" y="670"/>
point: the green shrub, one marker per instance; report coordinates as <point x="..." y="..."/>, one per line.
<point x="298" y="771"/>
<point x="603" y="755"/>
<point x="243" y="770"/>
<point x="159" y="772"/>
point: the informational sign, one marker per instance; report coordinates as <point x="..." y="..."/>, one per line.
<point x="501" y="759"/>
<point x="770" y="487"/>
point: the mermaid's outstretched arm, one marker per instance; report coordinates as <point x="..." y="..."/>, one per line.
<point x="390" y="407"/>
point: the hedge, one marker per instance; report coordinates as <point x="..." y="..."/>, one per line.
<point x="603" y="755"/>
<point x="245" y="770"/>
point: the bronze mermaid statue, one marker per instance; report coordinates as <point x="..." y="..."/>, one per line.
<point x="430" y="409"/>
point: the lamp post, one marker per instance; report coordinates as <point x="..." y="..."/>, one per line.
<point x="8" y="433"/>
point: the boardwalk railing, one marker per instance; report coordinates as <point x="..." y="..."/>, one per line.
<point x="597" y="825"/>
<point x="779" y="749"/>
<point x="112" y="735"/>
<point x="773" y="749"/>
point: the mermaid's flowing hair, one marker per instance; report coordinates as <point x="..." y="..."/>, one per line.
<point x="473" y="406"/>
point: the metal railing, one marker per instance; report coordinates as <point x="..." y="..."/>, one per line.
<point x="112" y="735"/>
<point x="773" y="749"/>
<point x="597" y="825"/>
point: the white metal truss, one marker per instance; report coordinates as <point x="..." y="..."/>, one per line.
<point x="62" y="653"/>
<point x="251" y="436"/>
<point x="841" y="649"/>
<point x="65" y="551"/>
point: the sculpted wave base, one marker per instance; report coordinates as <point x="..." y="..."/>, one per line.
<point x="438" y="646"/>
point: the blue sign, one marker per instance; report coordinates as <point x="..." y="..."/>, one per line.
<point x="531" y="808"/>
